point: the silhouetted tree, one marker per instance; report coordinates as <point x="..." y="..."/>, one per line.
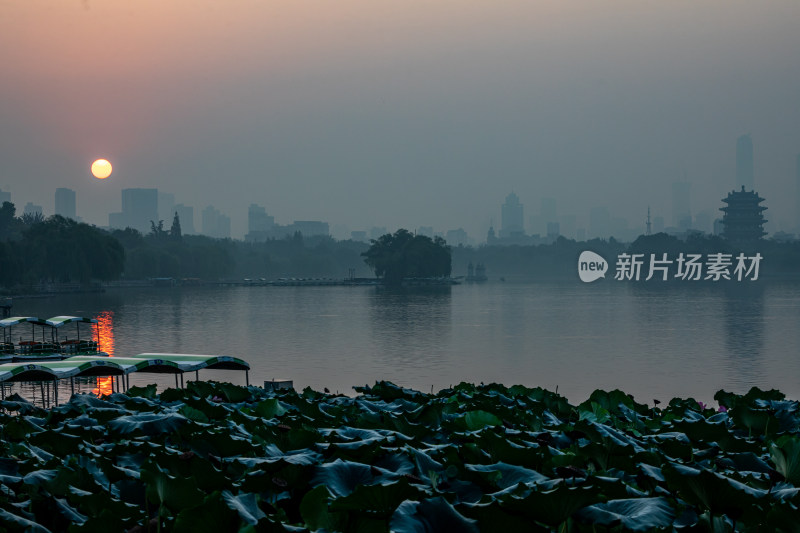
<point x="175" y="230"/>
<point x="8" y="220"/>
<point x="405" y="255"/>
<point x="61" y="249"/>
<point x="29" y="219"/>
<point x="129" y="238"/>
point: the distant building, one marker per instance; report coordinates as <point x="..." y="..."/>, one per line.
<point x="309" y="228"/>
<point x="215" y="224"/>
<point x="358" y="236"/>
<point x="166" y="208"/>
<point x="512" y="218"/>
<point x="743" y="219"/>
<point x="568" y="223"/>
<point x="553" y="230"/>
<point x="425" y="231"/>
<point x="599" y="222"/>
<point x="744" y="163"/>
<point x="549" y="211"/>
<point x="32" y="209"/>
<point x="681" y="210"/>
<point x="719" y="227"/>
<point x="259" y="224"/>
<point x="377" y="232"/>
<point x="186" y="216"/>
<point x="456" y="237"/>
<point x="65" y="203"/>
<point x="4" y="197"/>
<point x="139" y="209"/>
<point x="703" y="221"/>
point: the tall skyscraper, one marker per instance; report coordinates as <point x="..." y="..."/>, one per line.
<point x="512" y="217"/>
<point x="681" y="210"/>
<point x="744" y="163"/>
<point x="65" y="203"/>
<point x="139" y="208"/>
<point x="4" y="197"/>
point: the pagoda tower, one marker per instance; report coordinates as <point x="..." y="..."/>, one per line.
<point x="743" y="219"/>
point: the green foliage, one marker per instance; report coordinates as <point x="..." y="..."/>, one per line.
<point x="405" y="255"/>
<point x="218" y="457"/>
<point x="60" y="249"/>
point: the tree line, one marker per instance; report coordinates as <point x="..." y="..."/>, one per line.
<point x="34" y="249"/>
<point x="60" y="250"/>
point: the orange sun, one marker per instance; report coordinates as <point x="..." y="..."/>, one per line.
<point x="101" y="169"/>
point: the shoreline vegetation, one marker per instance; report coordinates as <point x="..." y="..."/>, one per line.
<point x="220" y="457"/>
<point x="64" y="255"/>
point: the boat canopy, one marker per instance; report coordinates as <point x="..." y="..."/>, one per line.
<point x="193" y="362"/>
<point x="87" y="365"/>
<point x="58" y="321"/>
<point x="14" y="320"/>
<point x="26" y="372"/>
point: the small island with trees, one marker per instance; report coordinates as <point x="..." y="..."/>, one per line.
<point x="404" y="257"/>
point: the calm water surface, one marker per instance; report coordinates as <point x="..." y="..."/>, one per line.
<point x="653" y="342"/>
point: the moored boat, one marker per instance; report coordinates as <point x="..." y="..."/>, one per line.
<point x="47" y="346"/>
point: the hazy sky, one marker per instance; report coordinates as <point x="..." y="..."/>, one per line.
<point x="399" y="112"/>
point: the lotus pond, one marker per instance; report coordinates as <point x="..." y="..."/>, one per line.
<point x="218" y="457"/>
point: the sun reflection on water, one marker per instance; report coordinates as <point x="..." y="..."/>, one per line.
<point x="104" y="332"/>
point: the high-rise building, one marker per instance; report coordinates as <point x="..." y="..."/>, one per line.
<point x="259" y="224"/>
<point x="425" y="231"/>
<point x="4" y="197"/>
<point x="139" y="210"/>
<point x="166" y="208"/>
<point x="457" y="237"/>
<point x="309" y="228"/>
<point x="186" y="216"/>
<point x="215" y="224"/>
<point x="681" y="210"/>
<point x="743" y="219"/>
<point x="65" y="203"/>
<point x="512" y="224"/>
<point x="32" y="209"/>
<point x="744" y="163"/>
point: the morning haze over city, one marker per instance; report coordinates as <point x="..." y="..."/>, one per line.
<point x="370" y="117"/>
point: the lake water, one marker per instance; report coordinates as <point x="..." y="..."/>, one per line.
<point x="653" y="342"/>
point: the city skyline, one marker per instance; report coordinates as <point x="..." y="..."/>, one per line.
<point x="408" y="114"/>
<point x="139" y="208"/>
